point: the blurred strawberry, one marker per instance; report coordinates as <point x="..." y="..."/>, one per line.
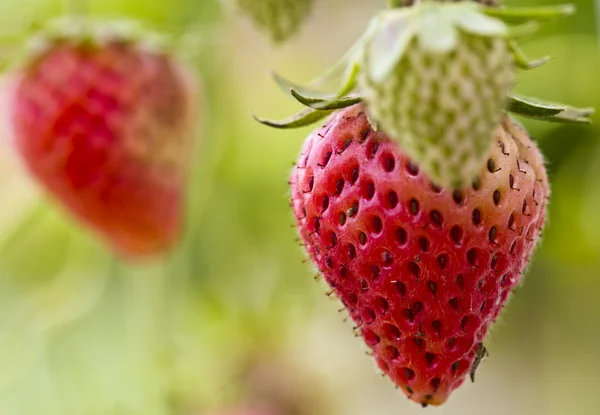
<point x="422" y="270"/>
<point x="102" y="115"/>
<point x="279" y="19"/>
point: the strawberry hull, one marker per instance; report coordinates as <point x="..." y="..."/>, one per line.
<point x="105" y="130"/>
<point x="423" y="270"/>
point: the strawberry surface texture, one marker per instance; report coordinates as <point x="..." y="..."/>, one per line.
<point x="423" y="270"/>
<point x="106" y="129"/>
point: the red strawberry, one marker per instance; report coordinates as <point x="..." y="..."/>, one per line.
<point x="423" y="271"/>
<point x="104" y="124"/>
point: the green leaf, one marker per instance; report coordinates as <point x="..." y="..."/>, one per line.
<point x="520" y="15"/>
<point x="326" y="104"/>
<point x="521" y="59"/>
<point x="386" y="45"/>
<point x="302" y="119"/>
<point x="528" y="107"/>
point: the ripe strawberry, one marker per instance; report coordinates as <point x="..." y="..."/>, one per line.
<point x="444" y="93"/>
<point x="103" y="122"/>
<point x="279" y="19"/>
<point x="422" y="270"/>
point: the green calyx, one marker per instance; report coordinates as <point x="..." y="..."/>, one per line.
<point x="435" y="27"/>
<point x="86" y="32"/>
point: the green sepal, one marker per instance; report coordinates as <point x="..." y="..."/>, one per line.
<point x="545" y="111"/>
<point x="286" y="86"/>
<point x="520" y="15"/>
<point x="302" y="119"/>
<point x="334" y="103"/>
<point x="521" y="59"/>
<point x="349" y="81"/>
<point x="523" y="30"/>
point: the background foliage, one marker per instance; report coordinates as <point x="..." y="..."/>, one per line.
<point x="234" y="317"/>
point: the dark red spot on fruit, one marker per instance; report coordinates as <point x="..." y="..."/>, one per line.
<point x="435" y="188"/>
<point x="326" y="158"/>
<point x="339" y="186"/>
<point x="317" y="224"/>
<point x="381" y="305"/>
<point x="389" y="163"/>
<point x="451" y="344"/>
<point x="432" y="287"/>
<point x="392" y="200"/>
<point x="414" y="206"/>
<point x="342" y="218"/>
<point x="391" y="353"/>
<point x="369" y="191"/>
<point x="435" y="384"/>
<point x="414" y="269"/>
<point x="351" y="251"/>
<point x="497" y="197"/>
<point x="417" y="306"/>
<point x="374" y="148"/>
<point x="437" y="327"/>
<point x="401" y="288"/>
<point x="442" y="261"/>
<point x="491" y="165"/>
<point x="409" y="374"/>
<point x="354" y="175"/>
<point x="458" y="197"/>
<point x="436" y="217"/>
<point x="371" y="338"/>
<point x="375" y="272"/>
<point x="473" y="256"/>
<point x="391" y="332"/>
<point x="464" y="322"/>
<point x="377" y="224"/>
<point x="401" y="236"/>
<point x="343" y="271"/>
<point x="424" y="244"/>
<point x="494" y="261"/>
<point x="311" y="183"/>
<point x="329" y="262"/>
<point x="456" y="233"/>
<point x="453" y="302"/>
<point x="460" y="281"/>
<point x="476" y="217"/>
<point x="325" y="203"/>
<point x="387" y="258"/>
<point x="368" y="315"/>
<point x="362" y="237"/>
<point x="364" y="285"/>
<point x="476" y="184"/>
<point x="412" y="168"/>
<point x="430" y="359"/>
<point x="492" y="234"/>
<point x="511" y="221"/>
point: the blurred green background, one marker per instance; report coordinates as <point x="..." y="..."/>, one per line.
<point x="234" y="319"/>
